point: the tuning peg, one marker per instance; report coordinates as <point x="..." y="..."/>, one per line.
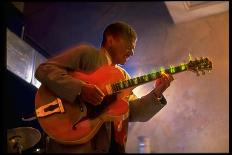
<point x="190" y="57"/>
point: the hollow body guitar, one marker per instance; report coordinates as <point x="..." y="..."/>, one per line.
<point x="77" y="123"/>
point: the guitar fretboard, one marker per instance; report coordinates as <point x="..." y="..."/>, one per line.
<point x="147" y="78"/>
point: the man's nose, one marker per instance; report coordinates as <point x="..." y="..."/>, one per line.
<point x="132" y="52"/>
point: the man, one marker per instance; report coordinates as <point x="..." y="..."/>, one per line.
<point x="118" y="44"/>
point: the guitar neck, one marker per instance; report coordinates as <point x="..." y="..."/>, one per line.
<point x="147" y="78"/>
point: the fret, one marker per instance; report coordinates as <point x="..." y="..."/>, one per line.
<point x="180" y="68"/>
<point x="116" y="85"/>
<point x="183" y="66"/>
<point x="148" y="77"/>
<point x="113" y="87"/>
<point x="125" y="83"/>
<point x="153" y="75"/>
<point x="131" y="83"/>
<point x="121" y="86"/>
<point x="172" y="69"/>
<point x="142" y="79"/>
<point x="162" y="70"/>
<point x="139" y="79"/>
<point x="158" y="74"/>
<point x="135" y="80"/>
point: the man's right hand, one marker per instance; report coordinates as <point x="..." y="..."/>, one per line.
<point x="91" y="94"/>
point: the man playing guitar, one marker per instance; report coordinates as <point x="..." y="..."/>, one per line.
<point x="79" y="82"/>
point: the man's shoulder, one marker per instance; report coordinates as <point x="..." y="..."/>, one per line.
<point x="76" y="50"/>
<point x="83" y="49"/>
<point x="87" y="47"/>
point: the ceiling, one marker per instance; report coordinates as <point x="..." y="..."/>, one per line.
<point x="53" y="26"/>
<point x="181" y="11"/>
<point x="189" y="10"/>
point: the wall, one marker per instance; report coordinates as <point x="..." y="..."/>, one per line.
<point x="196" y="118"/>
<point x="18" y="95"/>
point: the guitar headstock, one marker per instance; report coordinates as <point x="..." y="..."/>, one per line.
<point x="200" y="65"/>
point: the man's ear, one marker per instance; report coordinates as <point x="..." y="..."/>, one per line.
<point x="110" y="40"/>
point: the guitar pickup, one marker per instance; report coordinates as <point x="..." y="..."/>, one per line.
<point x="55" y="106"/>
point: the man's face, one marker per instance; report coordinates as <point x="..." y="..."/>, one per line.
<point x="121" y="50"/>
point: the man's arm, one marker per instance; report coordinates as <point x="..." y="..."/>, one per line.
<point x="54" y="73"/>
<point x="144" y="108"/>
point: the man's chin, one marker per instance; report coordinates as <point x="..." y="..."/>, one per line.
<point x="123" y="62"/>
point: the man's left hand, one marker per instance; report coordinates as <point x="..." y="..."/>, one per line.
<point x="162" y="84"/>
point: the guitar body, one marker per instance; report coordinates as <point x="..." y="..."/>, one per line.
<point x="60" y="125"/>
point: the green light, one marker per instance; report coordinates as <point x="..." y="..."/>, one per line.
<point x="190" y="57"/>
<point x="126" y="83"/>
<point x="146" y="78"/>
<point x="172" y="69"/>
<point x="135" y="81"/>
<point x="121" y="85"/>
<point x="153" y="71"/>
<point x="162" y="70"/>
<point x="183" y="66"/>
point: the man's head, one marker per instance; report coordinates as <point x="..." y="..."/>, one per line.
<point x="119" y="39"/>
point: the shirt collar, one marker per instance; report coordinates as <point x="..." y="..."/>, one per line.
<point x="108" y="57"/>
